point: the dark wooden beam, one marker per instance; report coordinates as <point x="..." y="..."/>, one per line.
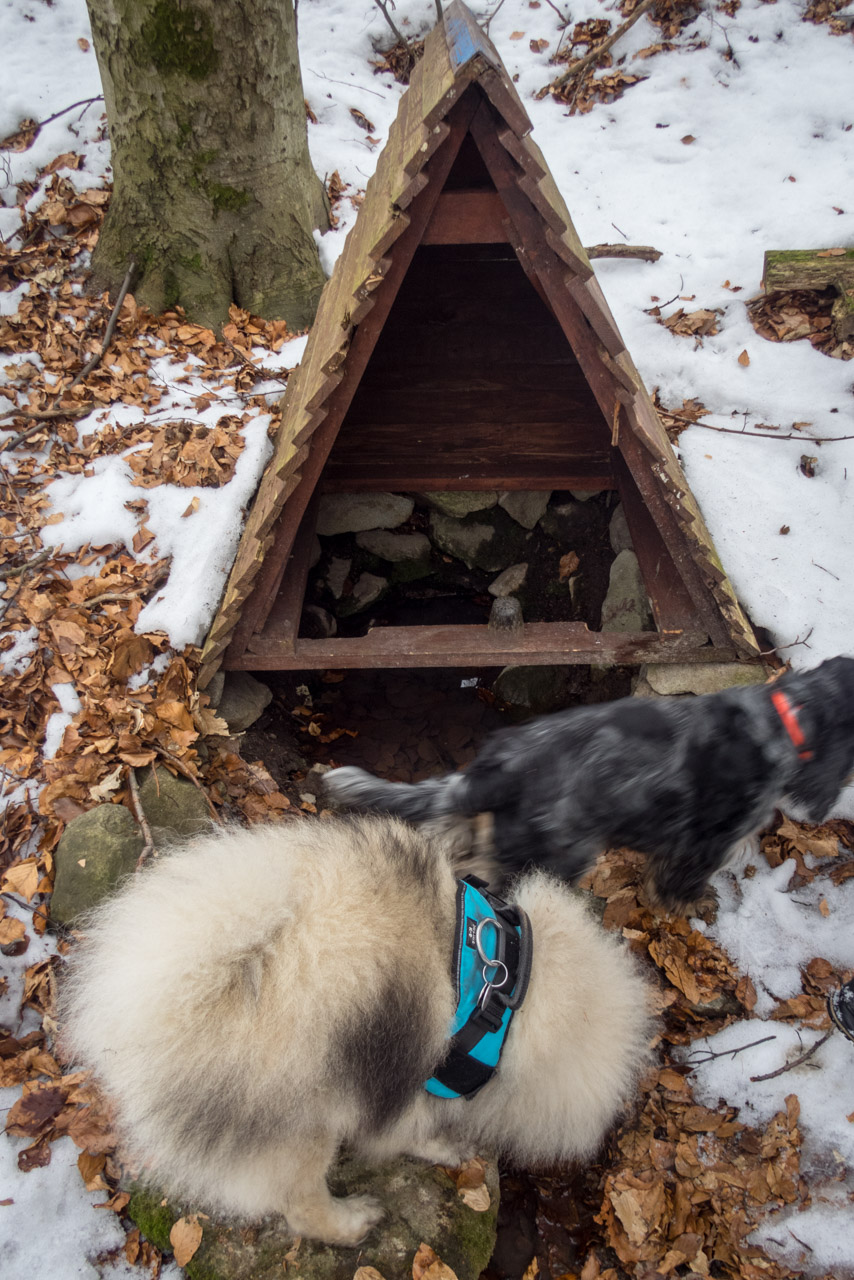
<point x="573" y="475"/>
<point x="467" y="217"/>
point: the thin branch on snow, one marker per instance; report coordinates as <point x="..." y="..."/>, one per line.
<point x="491" y="16"/>
<point x="796" y="1062"/>
<point x="382" y="5"/>
<point x="694" y="1061"/>
<point x="758" y="435"/>
<point x="84" y="102"/>
<point x="644" y="252"/>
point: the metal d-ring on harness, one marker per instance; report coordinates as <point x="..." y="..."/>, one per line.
<point x="493" y="950"/>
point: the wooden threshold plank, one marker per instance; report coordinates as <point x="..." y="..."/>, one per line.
<point x="539" y="643"/>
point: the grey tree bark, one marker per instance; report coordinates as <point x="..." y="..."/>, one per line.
<point x="214" y="195"/>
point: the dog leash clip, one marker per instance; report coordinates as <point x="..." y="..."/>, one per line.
<point x="491" y="984"/>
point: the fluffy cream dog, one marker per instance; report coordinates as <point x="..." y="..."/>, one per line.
<point x="257" y="999"/>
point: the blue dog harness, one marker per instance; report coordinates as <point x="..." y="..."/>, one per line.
<point x="493" y="949"/>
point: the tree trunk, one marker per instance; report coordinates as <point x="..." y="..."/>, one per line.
<point x="214" y="195"/>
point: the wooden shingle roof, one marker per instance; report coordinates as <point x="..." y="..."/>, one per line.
<point x="460" y="87"/>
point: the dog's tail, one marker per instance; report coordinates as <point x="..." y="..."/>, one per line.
<point x="416" y="802"/>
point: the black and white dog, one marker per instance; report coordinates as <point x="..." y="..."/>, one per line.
<point x="684" y="780"/>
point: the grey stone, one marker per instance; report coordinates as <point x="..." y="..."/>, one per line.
<point x="584" y="495"/>
<point x="173" y="807"/>
<point x="626" y="605"/>
<point x="571" y="521"/>
<point x="533" y="689"/>
<point x="243" y="700"/>
<point x="409" y="553"/>
<point x="509" y="581"/>
<point x="421" y="1204"/>
<point x="97" y="850"/>
<point x="337" y="574"/>
<point x="665" y="678"/>
<point x="356" y="512"/>
<point x="215" y="687"/>
<point x="618" y="531"/>
<point x="527" y="507"/>
<point x="458" y="503"/>
<point x="367" y="590"/>
<point x="491" y="542"/>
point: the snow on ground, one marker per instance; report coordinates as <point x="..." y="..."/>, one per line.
<point x="724" y="151"/>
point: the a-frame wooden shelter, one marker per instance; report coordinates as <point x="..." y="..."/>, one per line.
<point x="463" y="342"/>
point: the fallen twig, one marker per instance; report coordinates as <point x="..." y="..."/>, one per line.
<point x="42" y="416"/>
<point x="186" y="772"/>
<point x="491" y="16"/>
<point x="765" y="653"/>
<point x="789" y="1066"/>
<point x="727" y="1053"/>
<point x="29" y="564"/>
<point x="643" y="251"/>
<point x="382" y="5"/>
<point x="45" y="415"/>
<point x="108" y="332"/>
<point x="84" y="102"/>
<point x="37" y="910"/>
<point x="578" y="68"/>
<point x="22" y="571"/>
<point x="758" y="435"/>
<point x="148" y="848"/>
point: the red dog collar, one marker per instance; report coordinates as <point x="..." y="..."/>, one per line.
<point x="787" y="714"/>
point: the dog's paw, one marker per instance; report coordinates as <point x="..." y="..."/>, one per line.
<point x="436" y="1151"/>
<point x="356" y="1216"/>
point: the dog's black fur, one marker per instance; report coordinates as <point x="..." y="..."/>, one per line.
<point x="684" y="780"/>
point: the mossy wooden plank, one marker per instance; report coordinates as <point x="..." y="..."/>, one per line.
<point x="807" y="268"/>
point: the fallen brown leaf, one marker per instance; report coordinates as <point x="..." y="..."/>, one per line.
<point x="185" y="1238"/>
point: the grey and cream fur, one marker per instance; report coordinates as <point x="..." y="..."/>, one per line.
<point x="684" y="780"/>
<point x="259" y="999"/>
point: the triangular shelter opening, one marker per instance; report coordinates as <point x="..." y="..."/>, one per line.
<point x="463" y="342"/>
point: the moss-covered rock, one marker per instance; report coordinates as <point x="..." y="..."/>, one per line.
<point x="421" y="1202"/>
<point x="173" y="807"/>
<point x="97" y="850"/>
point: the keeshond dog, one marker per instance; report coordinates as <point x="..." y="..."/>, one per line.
<point x="258" y="999"/>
